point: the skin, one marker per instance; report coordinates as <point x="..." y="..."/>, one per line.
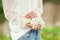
<point x="30" y="16"/>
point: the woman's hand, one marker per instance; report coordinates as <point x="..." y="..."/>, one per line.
<point x="31" y="15"/>
<point x="29" y="25"/>
<point x="37" y="27"/>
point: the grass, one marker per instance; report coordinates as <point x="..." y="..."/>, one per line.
<point x="51" y="33"/>
<point x="5" y="37"/>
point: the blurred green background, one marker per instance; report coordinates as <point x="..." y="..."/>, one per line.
<point x="51" y="16"/>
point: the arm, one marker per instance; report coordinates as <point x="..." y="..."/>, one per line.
<point x="39" y="11"/>
<point x="8" y="11"/>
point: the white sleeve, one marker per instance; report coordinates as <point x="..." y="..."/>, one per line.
<point x="8" y="11"/>
<point x="42" y="22"/>
<point x="10" y="14"/>
<point x="39" y="11"/>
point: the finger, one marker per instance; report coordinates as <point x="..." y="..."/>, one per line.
<point x="34" y="16"/>
<point x="39" y="26"/>
<point x="29" y="25"/>
<point x="35" y="28"/>
<point x="31" y="15"/>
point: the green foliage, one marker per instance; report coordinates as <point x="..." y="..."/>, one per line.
<point x="51" y="33"/>
<point x="45" y="1"/>
<point x="5" y="37"/>
<point x="2" y="18"/>
<point x="0" y="3"/>
<point x="53" y="1"/>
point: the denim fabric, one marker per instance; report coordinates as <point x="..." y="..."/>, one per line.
<point x="31" y="35"/>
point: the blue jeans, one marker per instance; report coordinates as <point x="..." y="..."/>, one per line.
<point x="31" y="35"/>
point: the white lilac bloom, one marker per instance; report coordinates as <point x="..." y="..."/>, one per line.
<point x="36" y="21"/>
<point x="24" y="22"/>
<point x="33" y="21"/>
